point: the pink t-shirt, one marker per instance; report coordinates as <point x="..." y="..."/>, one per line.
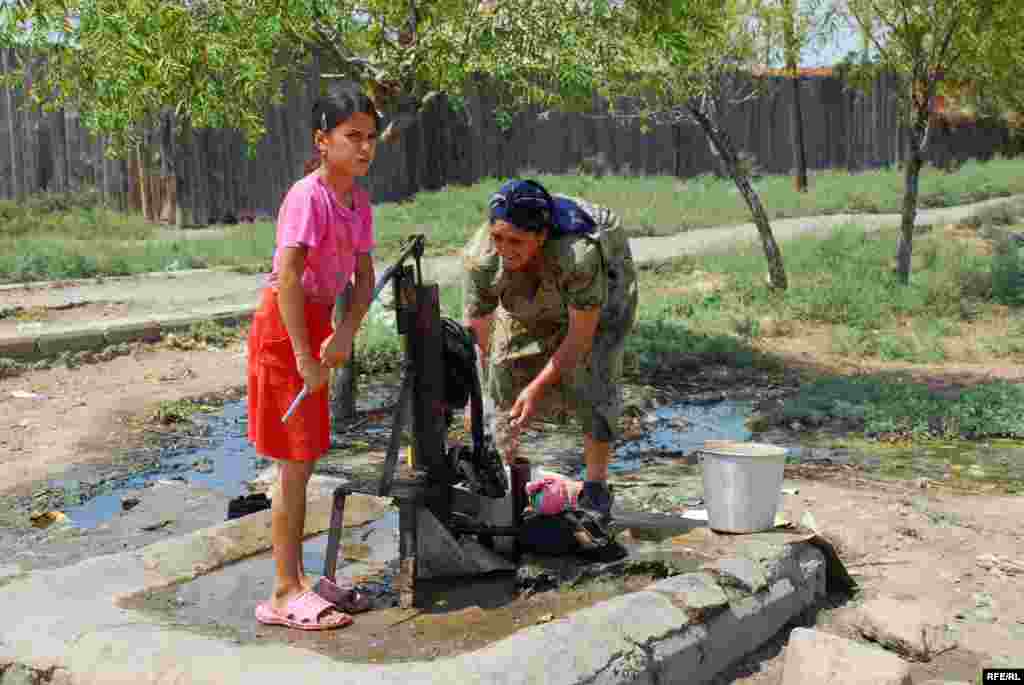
<point x="311" y="215"/>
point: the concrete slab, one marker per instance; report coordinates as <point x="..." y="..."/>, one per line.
<point x="147" y="330"/>
<point x="77" y="339"/>
<point x="78" y="624"/>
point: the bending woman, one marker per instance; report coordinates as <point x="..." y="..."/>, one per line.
<point x="551" y="294"/>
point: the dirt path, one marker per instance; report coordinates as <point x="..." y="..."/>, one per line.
<point x="87" y="414"/>
<point x="922" y="546"/>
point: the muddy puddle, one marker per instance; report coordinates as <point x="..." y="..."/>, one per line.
<point x="213" y="452"/>
<point x="655" y="466"/>
<point x="218" y="457"/>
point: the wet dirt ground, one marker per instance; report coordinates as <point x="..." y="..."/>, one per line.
<point x="86" y="451"/>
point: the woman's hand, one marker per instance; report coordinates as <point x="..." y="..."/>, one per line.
<point x="336" y="350"/>
<point x="525" y="406"/>
<point x="314" y="374"/>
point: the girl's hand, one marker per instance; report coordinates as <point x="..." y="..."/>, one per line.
<point x="314" y="374"/>
<point x="336" y="349"/>
<point x="525" y="406"/>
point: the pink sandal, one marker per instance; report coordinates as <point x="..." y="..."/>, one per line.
<point x="302" y="613"/>
<point x="345" y="596"/>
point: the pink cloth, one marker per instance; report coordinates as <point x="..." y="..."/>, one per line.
<point x="311" y="215"/>
<point x="552" y="494"/>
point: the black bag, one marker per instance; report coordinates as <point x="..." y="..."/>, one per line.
<point x="573" y="532"/>
<point x="459" y="355"/>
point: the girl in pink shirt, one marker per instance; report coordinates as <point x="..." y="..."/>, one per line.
<point x="324" y="238"/>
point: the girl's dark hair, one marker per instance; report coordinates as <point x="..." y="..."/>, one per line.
<point x="343" y="99"/>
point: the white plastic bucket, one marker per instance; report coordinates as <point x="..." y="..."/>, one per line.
<point x="742" y="485"/>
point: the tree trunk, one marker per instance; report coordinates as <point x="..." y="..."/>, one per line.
<point x="168" y="185"/>
<point x="145" y="197"/>
<point x="719" y="139"/>
<point x="343" y="380"/>
<point x="792" y="66"/>
<point x="911" y="178"/>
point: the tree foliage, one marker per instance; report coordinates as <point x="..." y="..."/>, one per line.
<point x="932" y="46"/>
<point x="219" y="63"/>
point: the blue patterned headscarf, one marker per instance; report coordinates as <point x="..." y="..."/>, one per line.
<point x="527" y="205"/>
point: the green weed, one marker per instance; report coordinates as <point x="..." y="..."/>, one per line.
<point x="883" y="404"/>
<point x="68" y="236"/>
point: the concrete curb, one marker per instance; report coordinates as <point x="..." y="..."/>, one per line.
<point x="78" y="282"/>
<point x="97" y="336"/>
<point x="65" y="627"/>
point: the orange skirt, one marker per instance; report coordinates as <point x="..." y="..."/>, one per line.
<point x="274" y="381"/>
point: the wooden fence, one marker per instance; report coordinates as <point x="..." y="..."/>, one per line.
<point x="843" y="129"/>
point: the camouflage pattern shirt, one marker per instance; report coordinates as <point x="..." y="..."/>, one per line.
<point x="532" y="309"/>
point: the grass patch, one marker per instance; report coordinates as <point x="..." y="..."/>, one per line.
<point x="378" y="347"/>
<point x="205" y="334"/>
<point x="661" y="343"/>
<point x="74" y="236"/>
<point x="893" y="405"/>
<point x="1008" y="272"/>
<point x="843" y="284"/>
<point x="1009" y="345"/>
<point x="171" y="412"/>
<point x="665" y="205"/>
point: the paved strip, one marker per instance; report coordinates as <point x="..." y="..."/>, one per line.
<point x="173" y="300"/>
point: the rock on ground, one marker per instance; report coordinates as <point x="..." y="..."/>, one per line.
<point x="814" y="657"/>
<point x="916" y="631"/>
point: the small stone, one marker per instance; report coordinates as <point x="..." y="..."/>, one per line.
<point x="916" y="631"/>
<point x="697" y="593"/>
<point x="814" y="657"/>
<point x="744" y="574"/>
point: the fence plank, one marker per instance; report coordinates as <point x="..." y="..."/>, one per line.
<point x="30" y="136"/>
<point x="11" y="186"/>
<point x="842" y="128"/>
<point x="59" y="144"/>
